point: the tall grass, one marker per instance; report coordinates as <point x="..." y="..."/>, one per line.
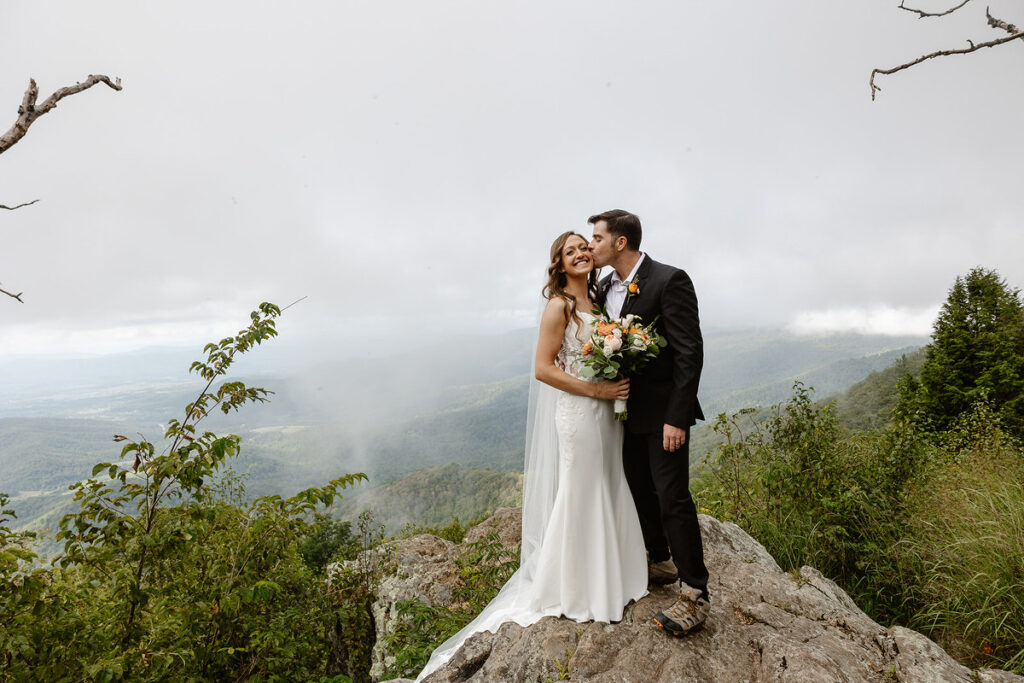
<point x="922" y="531"/>
<point x="964" y="549"/>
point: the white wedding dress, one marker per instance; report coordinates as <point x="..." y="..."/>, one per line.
<point x="582" y="552"/>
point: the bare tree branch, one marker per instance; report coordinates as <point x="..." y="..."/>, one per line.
<point x="12" y="208"/>
<point x="922" y="14"/>
<point x="1014" y="34"/>
<point x="999" y="23"/>
<point x="28" y="112"/>
<point x="13" y="296"/>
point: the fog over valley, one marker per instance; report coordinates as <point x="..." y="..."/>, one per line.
<point x="462" y="403"/>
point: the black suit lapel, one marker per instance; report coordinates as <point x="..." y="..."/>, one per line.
<point x="602" y="290"/>
<point x="641" y="276"/>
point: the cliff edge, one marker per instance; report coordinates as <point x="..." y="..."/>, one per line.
<point x="765" y="625"/>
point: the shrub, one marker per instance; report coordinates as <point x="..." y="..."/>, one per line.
<point x="484" y="567"/>
<point x="168" y="571"/>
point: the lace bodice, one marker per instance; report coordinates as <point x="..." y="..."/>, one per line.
<point x="571" y="353"/>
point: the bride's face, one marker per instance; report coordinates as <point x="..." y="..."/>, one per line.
<point x="576" y="258"/>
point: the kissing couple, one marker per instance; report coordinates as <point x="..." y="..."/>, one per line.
<point x="606" y="504"/>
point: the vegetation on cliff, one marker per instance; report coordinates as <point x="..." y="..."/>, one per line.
<point x="169" y="571"/>
<point x="912" y="501"/>
<point x="920" y="519"/>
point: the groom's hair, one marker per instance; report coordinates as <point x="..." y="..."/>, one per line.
<point x="621" y="224"/>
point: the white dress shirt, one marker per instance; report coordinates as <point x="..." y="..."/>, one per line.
<point x="616" y="296"/>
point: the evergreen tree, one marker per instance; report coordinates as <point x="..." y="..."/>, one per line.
<point x="976" y="353"/>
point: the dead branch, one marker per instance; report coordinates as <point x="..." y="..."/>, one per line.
<point x="922" y="14"/>
<point x="12" y="208"/>
<point x="28" y="112"/>
<point x="1014" y="34"/>
<point x="999" y="23"/>
<point x="13" y="296"/>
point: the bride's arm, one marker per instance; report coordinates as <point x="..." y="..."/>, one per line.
<point x="552" y="329"/>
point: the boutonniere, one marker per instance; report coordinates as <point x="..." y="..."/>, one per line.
<point x="633" y="288"/>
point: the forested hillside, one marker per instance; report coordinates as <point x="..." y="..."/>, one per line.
<point x="913" y="503"/>
<point x="176" y="566"/>
<point x="387" y="417"/>
<point x="868" y="404"/>
<point x="435" y="496"/>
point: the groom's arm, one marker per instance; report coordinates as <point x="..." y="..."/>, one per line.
<point x="681" y="325"/>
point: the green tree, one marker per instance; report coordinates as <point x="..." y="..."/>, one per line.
<point x="976" y="353"/>
<point x="169" y="571"/>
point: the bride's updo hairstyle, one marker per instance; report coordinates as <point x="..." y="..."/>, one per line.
<point x="557" y="279"/>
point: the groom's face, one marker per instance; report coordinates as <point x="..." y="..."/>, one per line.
<point x="601" y="245"/>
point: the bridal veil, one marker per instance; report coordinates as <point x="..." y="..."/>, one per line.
<point x="540" y="483"/>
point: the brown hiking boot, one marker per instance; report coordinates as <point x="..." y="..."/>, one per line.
<point x="687" y="614"/>
<point x="661" y="573"/>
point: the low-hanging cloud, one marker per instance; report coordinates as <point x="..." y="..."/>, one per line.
<point x="885" y="320"/>
<point x="406" y="165"/>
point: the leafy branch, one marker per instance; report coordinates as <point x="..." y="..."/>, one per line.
<point x="178" y="473"/>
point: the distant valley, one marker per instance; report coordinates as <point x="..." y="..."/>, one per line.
<point x="461" y="405"/>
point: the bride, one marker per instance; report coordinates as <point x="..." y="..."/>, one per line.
<point x="582" y="554"/>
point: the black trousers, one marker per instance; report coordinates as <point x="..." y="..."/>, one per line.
<point x="660" y="484"/>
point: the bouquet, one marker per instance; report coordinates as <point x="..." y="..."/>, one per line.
<point x="618" y="349"/>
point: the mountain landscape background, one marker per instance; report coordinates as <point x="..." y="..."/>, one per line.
<point x="439" y="431"/>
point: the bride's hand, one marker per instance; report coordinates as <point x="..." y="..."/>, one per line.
<point x="612" y="390"/>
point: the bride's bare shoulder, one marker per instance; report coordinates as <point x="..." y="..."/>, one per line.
<point x="556" y="313"/>
<point x="557" y="308"/>
<point x="557" y="304"/>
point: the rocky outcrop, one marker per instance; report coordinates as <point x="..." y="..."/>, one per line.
<point x="765" y="625"/>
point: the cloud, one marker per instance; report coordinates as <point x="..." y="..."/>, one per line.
<point x="408" y="164"/>
<point x="887" y="320"/>
<point x="44" y="340"/>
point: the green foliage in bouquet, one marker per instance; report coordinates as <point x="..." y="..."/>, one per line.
<point x="620" y="348"/>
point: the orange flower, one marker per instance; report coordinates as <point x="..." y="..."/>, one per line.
<point x="604" y="329"/>
<point x="587" y="348"/>
<point x="633" y="288"/>
<point x="636" y="329"/>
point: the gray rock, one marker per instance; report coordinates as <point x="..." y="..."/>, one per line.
<point x="765" y="625"/>
<point x="920" y="659"/>
<point x="996" y="676"/>
<point x="507" y="523"/>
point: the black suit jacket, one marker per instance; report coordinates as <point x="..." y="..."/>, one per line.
<point x="665" y="392"/>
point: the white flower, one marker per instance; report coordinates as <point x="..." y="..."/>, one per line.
<point x="617" y="332"/>
<point x="612" y="343"/>
<point x="627" y="322"/>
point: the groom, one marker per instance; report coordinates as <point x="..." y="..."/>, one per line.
<point x="662" y="407"/>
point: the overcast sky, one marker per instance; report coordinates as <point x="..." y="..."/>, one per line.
<point x="406" y="165"/>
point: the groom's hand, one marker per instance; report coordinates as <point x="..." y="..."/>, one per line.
<point x="673" y="438"/>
